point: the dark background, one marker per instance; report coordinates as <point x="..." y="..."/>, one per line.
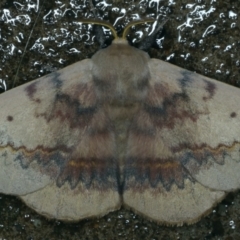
<point x="36" y="39"/>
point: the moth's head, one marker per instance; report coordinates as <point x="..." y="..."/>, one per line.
<point x="120" y="71"/>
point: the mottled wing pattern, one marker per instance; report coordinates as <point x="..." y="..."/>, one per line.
<point x="57" y="145"/>
<point x="184" y="146"/>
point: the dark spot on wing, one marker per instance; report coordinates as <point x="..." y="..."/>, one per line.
<point x="233" y="114"/>
<point x="10" y="118"/>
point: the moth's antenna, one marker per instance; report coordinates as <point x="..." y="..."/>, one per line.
<point x="111" y="27"/>
<point x="126" y="29"/>
<point x="102" y="23"/>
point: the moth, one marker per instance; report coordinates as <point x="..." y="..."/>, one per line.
<point x="121" y="129"/>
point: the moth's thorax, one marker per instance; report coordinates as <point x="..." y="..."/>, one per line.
<point x="121" y="73"/>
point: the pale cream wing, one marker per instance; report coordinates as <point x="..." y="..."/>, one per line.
<point x="183" y="149"/>
<point x="57" y="146"/>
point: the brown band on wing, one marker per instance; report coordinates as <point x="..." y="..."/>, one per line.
<point x="140" y="172"/>
<point x="98" y="173"/>
<point x="195" y="156"/>
<point x="168" y="103"/>
<point x="70" y="110"/>
<point x="173" y="107"/>
<point x="64" y="165"/>
<point x="150" y="162"/>
<point x="74" y="105"/>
